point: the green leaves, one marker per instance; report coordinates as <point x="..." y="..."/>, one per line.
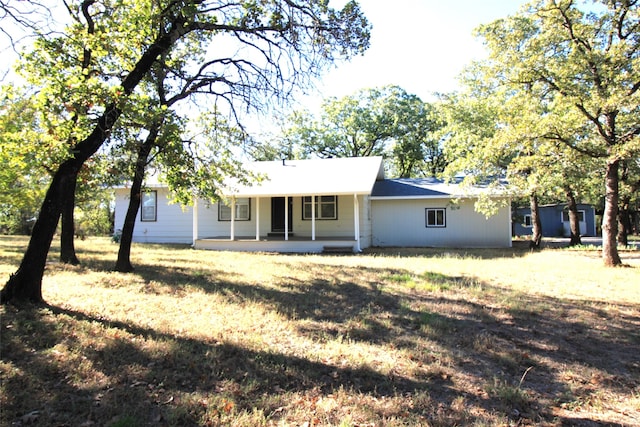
<point x="372" y="122"/>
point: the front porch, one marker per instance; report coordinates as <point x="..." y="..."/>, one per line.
<point x="315" y="224"/>
<point x="279" y="243"/>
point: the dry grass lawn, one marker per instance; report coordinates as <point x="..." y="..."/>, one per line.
<point x="385" y="338"/>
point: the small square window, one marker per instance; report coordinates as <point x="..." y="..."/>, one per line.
<point x="436" y="217"/>
<point x="149" y="206"/>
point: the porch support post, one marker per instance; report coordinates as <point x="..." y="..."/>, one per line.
<point x="257" y="218"/>
<point x="509" y="228"/>
<point x="233" y="219"/>
<point x="313" y="217"/>
<point x="356" y="221"/>
<point x="286" y="217"/>
<point x="194" y="233"/>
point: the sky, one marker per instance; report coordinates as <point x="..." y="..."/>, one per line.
<point x="419" y="45"/>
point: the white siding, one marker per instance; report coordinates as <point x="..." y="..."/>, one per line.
<point x="209" y="226"/>
<point x="341" y="227"/>
<point x="400" y="222"/>
<point x="172" y="225"/>
<point x="365" y="221"/>
<point x="392" y="222"/>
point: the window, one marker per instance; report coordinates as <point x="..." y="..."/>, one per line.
<point x="243" y="210"/>
<point x="326" y="207"/>
<point x="527" y="220"/>
<point x="149" y="206"/>
<point x="565" y="216"/>
<point x="436" y="217"/>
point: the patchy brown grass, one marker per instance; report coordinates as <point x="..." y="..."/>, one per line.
<point x="385" y="338"/>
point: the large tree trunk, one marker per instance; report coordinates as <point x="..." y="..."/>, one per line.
<point x="67" y="233"/>
<point x="574" y="220"/>
<point x="610" y="254"/>
<point x="536" y="232"/>
<point x="26" y="283"/>
<point x="123" y="264"/>
<point x="624" y="221"/>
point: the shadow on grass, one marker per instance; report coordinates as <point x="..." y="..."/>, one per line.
<point x="150" y="376"/>
<point x="525" y="344"/>
<point x="501" y="352"/>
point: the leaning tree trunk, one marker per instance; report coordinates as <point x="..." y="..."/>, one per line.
<point x="536" y="232"/>
<point x="123" y="264"/>
<point x="67" y="233"/>
<point x="26" y="283"/>
<point x="610" y="254"/>
<point x="574" y="221"/>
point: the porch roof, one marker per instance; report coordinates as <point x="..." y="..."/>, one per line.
<point x="334" y="176"/>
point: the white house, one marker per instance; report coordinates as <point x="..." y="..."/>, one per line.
<point x="327" y="204"/>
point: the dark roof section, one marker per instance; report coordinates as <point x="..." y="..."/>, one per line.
<point x="410" y="187"/>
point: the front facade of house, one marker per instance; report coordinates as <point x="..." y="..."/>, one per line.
<point x="327" y="204"/>
<point x="555" y="220"/>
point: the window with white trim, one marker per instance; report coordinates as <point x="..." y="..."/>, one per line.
<point x="242" y="210"/>
<point x="565" y="216"/>
<point x="527" y="221"/>
<point x="435" y="217"/>
<point x="326" y="207"/>
<point x="149" y="206"/>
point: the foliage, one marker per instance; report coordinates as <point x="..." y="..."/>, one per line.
<point x="264" y="51"/>
<point x="565" y="81"/>
<point x="201" y="164"/>
<point x="371" y="122"/>
<point x="22" y="181"/>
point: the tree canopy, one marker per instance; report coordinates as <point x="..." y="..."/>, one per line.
<point x="250" y="54"/>
<point x="569" y="70"/>
<point x="372" y="122"/>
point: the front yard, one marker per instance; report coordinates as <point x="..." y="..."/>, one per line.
<point x="384" y="338"/>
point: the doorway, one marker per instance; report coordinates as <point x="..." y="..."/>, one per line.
<point x="277" y="214"/>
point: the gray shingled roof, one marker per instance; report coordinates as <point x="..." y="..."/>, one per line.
<point x="407" y="188"/>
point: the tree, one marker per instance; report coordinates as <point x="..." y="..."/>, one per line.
<point x="23" y="173"/>
<point x="372" y="122"/>
<point x="630" y="187"/>
<point x="352" y="126"/>
<point x="579" y="58"/>
<point x="416" y="146"/>
<point x="283" y="44"/>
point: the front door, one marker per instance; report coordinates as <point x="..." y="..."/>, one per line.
<point x="277" y="214"/>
